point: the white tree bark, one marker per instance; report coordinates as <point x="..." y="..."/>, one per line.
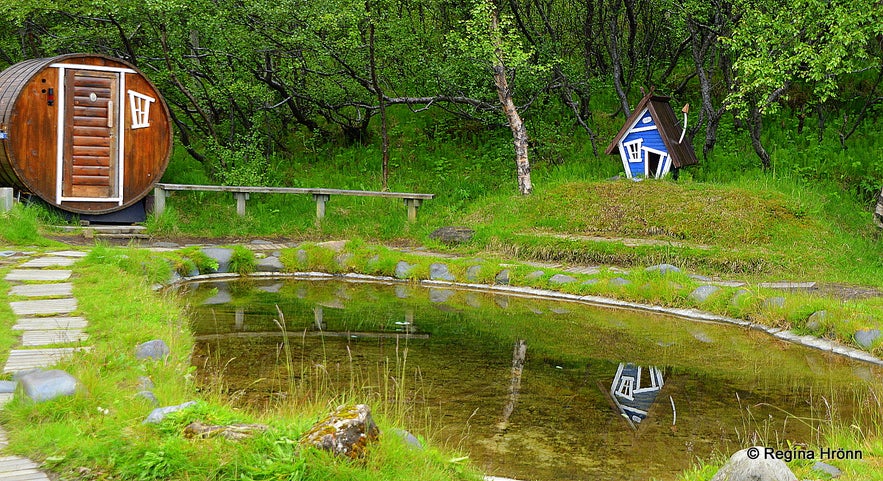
<point x="519" y="133"/>
<point x="878" y="212"/>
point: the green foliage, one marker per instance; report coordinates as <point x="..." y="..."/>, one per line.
<point x="243" y="260"/>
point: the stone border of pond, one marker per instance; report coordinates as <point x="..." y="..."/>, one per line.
<point x="688" y="314"/>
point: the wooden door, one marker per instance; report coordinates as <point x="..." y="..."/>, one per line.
<point x="91" y="157"/>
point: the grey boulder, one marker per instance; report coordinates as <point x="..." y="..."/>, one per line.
<point x="752" y="464"/>
<point x="47" y="385"/>
<point x="156" y="349"/>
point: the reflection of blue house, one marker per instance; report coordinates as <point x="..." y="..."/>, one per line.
<point x="634" y="390"/>
<point x="651" y="142"/>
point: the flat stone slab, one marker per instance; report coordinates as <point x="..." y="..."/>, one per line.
<point x="589" y="270"/>
<point x="14" y="468"/>
<point x="49" y="323"/>
<point x="75" y="254"/>
<point x="43" y="338"/>
<point x="47" y="306"/>
<point x="787" y="285"/>
<point x="49" y="262"/>
<point x="38" y="275"/>
<point x="42" y="290"/>
<point x="24" y="359"/>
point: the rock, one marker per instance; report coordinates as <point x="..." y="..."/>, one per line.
<point x="156" y="349"/>
<point x="301" y="256"/>
<point x="472" y="300"/>
<point x="590" y="282"/>
<point x="233" y="432"/>
<point x="223" y="296"/>
<point x="534" y="275"/>
<point x="738" y="297"/>
<point x="472" y="273"/>
<point x="47" y="385"/>
<point x="741" y="467"/>
<point x="502" y="279"/>
<point x="559" y="310"/>
<point x="271" y="288"/>
<point x="145" y="383"/>
<point x="562" y="279"/>
<point x="440" y="272"/>
<point x="409" y="438"/>
<point x="174" y="278"/>
<point x="16" y="376"/>
<point x="261" y="242"/>
<point x="866" y="337"/>
<point x="345" y="432"/>
<point x="403" y="269"/>
<point x="697" y="277"/>
<point x="774" y="303"/>
<point x="816" y="320"/>
<point x="158" y="414"/>
<point x="618" y="282"/>
<point x="269" y="264"/>
<point x="826" y="468"/>
<point x="502" y="301"/>
<point x="221" y="255"/>
<point x="439" y="295"/>
<point x="343" y="259"/>
<point x="702" y="293"/>
<point x="402" y="292"/>
<point x="336" y="246"/>
<point x="166" y="245"/>
<point x="702" y="337"/>
<point x="7" y="386"/>
<point x="148" y="396"/>
<point x="663" y="269"/>
<point x="452" y="235"/>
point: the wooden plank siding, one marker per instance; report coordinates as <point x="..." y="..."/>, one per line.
<point x="98" y="159"/>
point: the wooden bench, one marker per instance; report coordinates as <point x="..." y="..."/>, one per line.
<point x="321" y="196"/>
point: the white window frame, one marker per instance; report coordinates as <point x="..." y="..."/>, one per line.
<point x="633" y="150"/>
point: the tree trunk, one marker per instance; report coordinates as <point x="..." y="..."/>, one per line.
<point x="755" y="126"/>
<point x="878" y="212"/>
<point x="384" y="134"/>
<point x="616" y="60"/>
<point x="519" y="133"/>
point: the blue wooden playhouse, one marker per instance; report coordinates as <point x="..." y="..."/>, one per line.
<point x="651" y="143"/>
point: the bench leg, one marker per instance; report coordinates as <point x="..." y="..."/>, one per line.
<point x="412" y="204"/>
<point x="159" y="201"/>
<point x="241" y="197"/>
<point x="320" y="199"/>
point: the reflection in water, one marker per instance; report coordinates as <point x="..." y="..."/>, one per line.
<point x="634" y="390"/>
<point x="469" y="358"/>
<point x="518" y="356"/>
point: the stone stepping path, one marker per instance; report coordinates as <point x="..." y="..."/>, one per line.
<point x="42" y="290"/>
<point x="38" y="275"/>
<point x="49" y="323"/>
<point x="40" y="331"/>
<point x="45" y="307"/>
<point x="43" y="338"/>
<point x="14" y="468"/>
<point x="41" y="262"/>
<point x="74" y="254"/>
<point x="24" y="359"/>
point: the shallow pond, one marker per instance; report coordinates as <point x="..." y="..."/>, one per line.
<point x="529" y="388"/>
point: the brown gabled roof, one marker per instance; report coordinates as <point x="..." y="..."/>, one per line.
<point x="681" y="154"/>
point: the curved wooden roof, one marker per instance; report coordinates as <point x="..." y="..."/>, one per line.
<point x="681" y="153"/>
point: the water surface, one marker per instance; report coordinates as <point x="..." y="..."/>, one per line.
<point x="531" y="389"/>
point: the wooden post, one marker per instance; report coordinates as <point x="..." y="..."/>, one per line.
<point x="159" y="201"/>
<point x="320" y="199"/>
<point x="6" y="199"/>
<point x="412" y="204"/>
<point x="241" y="197"/>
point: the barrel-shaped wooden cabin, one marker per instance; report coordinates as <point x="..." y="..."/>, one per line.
<point x="86" y="133"/>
